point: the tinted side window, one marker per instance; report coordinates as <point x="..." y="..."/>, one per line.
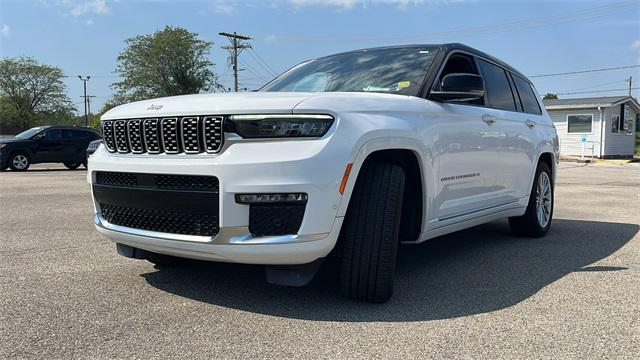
<point x="528" y="97"/>
<point x="497" y="87"/>
<point x="53" y="135"/>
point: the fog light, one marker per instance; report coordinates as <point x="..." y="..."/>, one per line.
<point x="285" y="198"/>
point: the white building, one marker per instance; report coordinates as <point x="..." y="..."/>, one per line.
<point x="603" y="126"/>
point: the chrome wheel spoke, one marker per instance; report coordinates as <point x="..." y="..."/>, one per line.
<point x="543" y="199"/>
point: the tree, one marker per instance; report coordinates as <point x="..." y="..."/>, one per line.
<point x="169" y="62"/>
<point x="550" y="96"/>
<point x="32" y="92"/>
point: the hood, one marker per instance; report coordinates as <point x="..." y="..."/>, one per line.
<point x="209" y="104"/>
<point x="258" y="102"/>
<point x="13" y="141"/>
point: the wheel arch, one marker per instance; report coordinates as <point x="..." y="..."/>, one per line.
<point x="408" y="154"/>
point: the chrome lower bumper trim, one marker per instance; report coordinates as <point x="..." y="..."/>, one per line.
<point x="236" y="235"/>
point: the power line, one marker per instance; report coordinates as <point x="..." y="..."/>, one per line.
<point x="597" y="91"/>
<point x="253" y="71"/>
<point x="585" y="71"/>
<point x="262" y="63"/>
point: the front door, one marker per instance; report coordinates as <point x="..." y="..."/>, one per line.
<point x="466" y="147"/>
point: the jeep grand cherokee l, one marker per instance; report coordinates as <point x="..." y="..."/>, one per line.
<point x="349" y="154"/>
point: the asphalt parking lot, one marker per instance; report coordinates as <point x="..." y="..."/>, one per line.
<point x="480" y="293"/>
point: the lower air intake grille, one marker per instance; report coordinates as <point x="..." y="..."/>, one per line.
<point x="275" y="219"/>
<point x="174" y="222"/>
<point x="116" y="178"/>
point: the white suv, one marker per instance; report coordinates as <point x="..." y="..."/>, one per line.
<point x="349" y="154"/>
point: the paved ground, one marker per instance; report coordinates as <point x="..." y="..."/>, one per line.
<point x="480" y="293"/>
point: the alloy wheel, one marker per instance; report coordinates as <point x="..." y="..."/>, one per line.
<point x="543" y="199"/>
<point x="20" y="162"/>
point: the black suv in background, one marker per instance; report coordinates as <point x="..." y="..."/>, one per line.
<point x="47" y="144"/>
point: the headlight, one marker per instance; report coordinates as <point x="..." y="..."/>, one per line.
<point x="280" y="126"/>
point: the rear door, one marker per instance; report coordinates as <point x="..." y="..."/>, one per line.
<point x="513" y="141"/>
<point x="530" y="134"/>
<point x="75" y="142"/>
<point x="49" y="147"/>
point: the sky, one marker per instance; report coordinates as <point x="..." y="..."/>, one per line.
<point x="84" y="37"/>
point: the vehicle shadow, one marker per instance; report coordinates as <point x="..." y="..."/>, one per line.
<point x="473" y="271"/>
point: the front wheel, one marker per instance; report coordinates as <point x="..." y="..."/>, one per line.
<point x="370" y="233"/>
<point x="536" y="221"/>
<point x="19" y="162"/>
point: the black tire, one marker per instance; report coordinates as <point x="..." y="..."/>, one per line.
<point x="529" y="224"/>
<point x="19" y="161"/>
<point x="163" y="260"/>
<point x="4" y="167"/>
<point x="72" y="165"/>
<point x="370" y="233"/>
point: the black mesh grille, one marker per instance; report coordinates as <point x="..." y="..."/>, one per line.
<point x="107" y="132"/>
<point x="116" y="178"/>
<point x="152" y="135"/>
<point x="275" y="219"/>
<point x="198" y="183"/>
<point x="212" y="126"/>
<point x="186" y="182"/>
<point x="190" y="134"/>
<point x="190" y="138"/>
<point x="120" y="131"/>
<point x="174" y="222"/>
<point x="170" y="139"/>
<point x="135" y="135"/>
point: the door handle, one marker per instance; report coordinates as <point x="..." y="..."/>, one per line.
<point x="530" y="123"/>
<point x="488" y="119"/>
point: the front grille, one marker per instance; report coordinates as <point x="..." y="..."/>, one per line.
<point x="173" y="222"/>
<point x="172" y="135"/>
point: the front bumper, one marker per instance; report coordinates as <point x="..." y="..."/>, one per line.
<point x="274" y="167"/>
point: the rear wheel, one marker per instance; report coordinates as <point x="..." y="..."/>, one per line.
<point x="72" y="165"/>
<point x="19" y="161"/>
<point x="370" y="233"/>
<point x="536" y="221"/>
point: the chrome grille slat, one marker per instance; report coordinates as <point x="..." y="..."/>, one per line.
<point x="170" y="135"/>
<point x="120" y="131"/>
<point x="109" y="139"/>
<point x="134" y="128"/>
<point x="212" y="133"/>
<point x="152" y="136"/>
<point x="190" y="136"/>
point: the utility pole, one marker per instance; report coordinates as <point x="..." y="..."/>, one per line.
<point x="629" y="80"/>
<point x="86" y="99"/>
<point x="235" y="49"/>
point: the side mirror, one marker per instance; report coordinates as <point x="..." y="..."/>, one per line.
<point x="459" y="87"/>
<point x="40" y="136"/>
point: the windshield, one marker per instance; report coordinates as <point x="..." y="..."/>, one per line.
<point x="29" y="133"/>
<point x="390" y="70"/>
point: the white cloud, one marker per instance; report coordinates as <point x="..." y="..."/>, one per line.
<point x="635" y="45"/>
<point x="5" y="30"/>
<point x="349" y="4"/>
<point x="82" y="7"/>
<point x="270" y="38"/>
<point x="88" y="22"/>
<point x="224" y="7"/>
